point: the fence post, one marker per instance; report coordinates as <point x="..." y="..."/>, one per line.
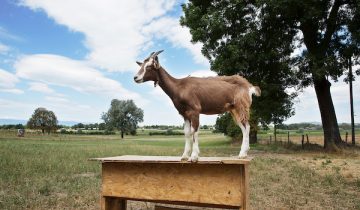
<point x="288" y="137"/>
<point x="270" y="139"/>
<point x="346" y="136"/>
<point x="302" y="141"/>
<point x="307" y="139"/>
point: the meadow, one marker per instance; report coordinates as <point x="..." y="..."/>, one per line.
<point x="53" y="171"/>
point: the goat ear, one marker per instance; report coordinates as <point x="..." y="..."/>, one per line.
<point x="139" y="63"/>
<point x="156" y="63"/>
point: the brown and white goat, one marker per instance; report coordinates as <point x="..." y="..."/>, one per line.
<point x="193" y="96"/>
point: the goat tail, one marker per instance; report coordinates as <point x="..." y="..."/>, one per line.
<point x="254" y="90"/>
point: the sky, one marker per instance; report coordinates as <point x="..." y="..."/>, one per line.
<point x="74" y="56"/>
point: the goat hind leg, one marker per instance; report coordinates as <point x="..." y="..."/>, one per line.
<point x="245" y="147"/>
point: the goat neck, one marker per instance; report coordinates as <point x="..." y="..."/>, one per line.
<point x="167" y="82"/>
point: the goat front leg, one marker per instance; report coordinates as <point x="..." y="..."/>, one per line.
<point x="188" y="141"/>
<point x="245" y="147"/>
<point x="195" y="134"/>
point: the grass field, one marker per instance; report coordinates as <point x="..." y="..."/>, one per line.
<point x="53" y="172"/>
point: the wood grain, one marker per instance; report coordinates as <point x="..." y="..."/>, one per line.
<point x="192" y="183"/>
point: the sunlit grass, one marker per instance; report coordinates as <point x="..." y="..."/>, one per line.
<point x="53" y="172"/>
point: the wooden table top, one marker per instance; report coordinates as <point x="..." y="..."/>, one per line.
<point x="172" y="159"/>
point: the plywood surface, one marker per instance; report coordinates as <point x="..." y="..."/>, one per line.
<point x="189" y="183"/>
<point x="173" y="159"/>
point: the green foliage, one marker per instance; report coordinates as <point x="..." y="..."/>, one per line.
<point x="236" y="42"/>
<point x="43" y="119"/>
<point x="12" y="126"/>
<point x="226" y="125"/>
<point x="123" y="115"/>
<point x="168" y="132"/>
<point x="163" y="127"/>
<point x="80" y="132"/>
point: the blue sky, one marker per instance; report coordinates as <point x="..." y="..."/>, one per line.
<point x="73" y="57"/>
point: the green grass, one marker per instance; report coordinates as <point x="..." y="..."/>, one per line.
<point x="53" y="172"/>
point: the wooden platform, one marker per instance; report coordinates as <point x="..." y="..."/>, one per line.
<point x="212" y="181"/>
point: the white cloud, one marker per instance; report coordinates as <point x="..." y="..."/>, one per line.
<point x="8" y="82"/>
<point x="40" y="87"/>
<point x="65" y="72"/>
<point x="203" y="73"/>
<point x="3" y="48"/>
<point x="114" y="30"/>
<point x="14" y="109"/>
<point x="7" y="79"/>
<point x="169" y="28"/>
<point x="307" y="108"/>
<point x="5" y="34"/>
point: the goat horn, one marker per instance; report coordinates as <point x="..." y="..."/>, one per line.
<point x="151" y="54"/>
<point x="157" y="53"/>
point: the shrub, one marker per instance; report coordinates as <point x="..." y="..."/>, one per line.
<point x="168" y="132"/>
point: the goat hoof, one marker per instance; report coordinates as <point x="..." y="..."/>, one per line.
<point x="194" y="159"/>
<point x="242" y="156"/>
<point x="184" y="158"/>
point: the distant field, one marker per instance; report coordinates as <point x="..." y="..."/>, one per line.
<point x="53" y="172"/>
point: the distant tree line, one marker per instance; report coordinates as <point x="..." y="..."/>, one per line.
<point x="225" y="124"/>
<point x="313" y="126"/>
<point x="163" y="127"/>
<point x="173" y="127"/>
<point x="90" y="126"/>
<point x="12" y="126"/>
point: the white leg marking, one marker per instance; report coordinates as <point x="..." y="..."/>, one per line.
<point x="188" y="141"/>
<point x="245" y="147"/>
<point x="195" y="150"/>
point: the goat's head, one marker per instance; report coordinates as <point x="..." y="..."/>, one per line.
<point x="148" y="69"/>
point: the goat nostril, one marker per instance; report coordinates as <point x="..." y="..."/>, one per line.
<point x="135" y="77"/>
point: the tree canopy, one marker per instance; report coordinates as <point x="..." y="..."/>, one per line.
<point x="235" y="43"/>
<point x="43" y="119"/>
<point x="278" y="44"/>
<point x="123" y="115"/>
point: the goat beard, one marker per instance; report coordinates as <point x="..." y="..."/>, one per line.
<point x="155" y="83"/>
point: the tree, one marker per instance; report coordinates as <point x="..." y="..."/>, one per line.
<point x="102" y="126"/>
<point x="123" y="115"/>
<point x="226" y="125"/>
<point x="328" y="29"/>
<point x="43" y="119"/>
<point x="235" y="43"/>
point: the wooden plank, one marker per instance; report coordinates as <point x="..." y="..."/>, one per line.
<point x="157" y="207"/>
<point x="113" y="203"/>
<point x="188" y="183"/>
<point x="244" y="186"/>
<point x="172" y="159"/>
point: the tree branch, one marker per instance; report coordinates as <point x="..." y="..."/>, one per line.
<point x="331" y="23"/>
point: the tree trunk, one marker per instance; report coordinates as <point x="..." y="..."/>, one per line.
<point x="253" y="130"/>
<point x="253" y="136"/>
<point x="332" y="138"/>
<point x="122" y="134"/>
<point x="351" y="103"/>
<point x="43" y="131"/>
<point x="275" y="132"/>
